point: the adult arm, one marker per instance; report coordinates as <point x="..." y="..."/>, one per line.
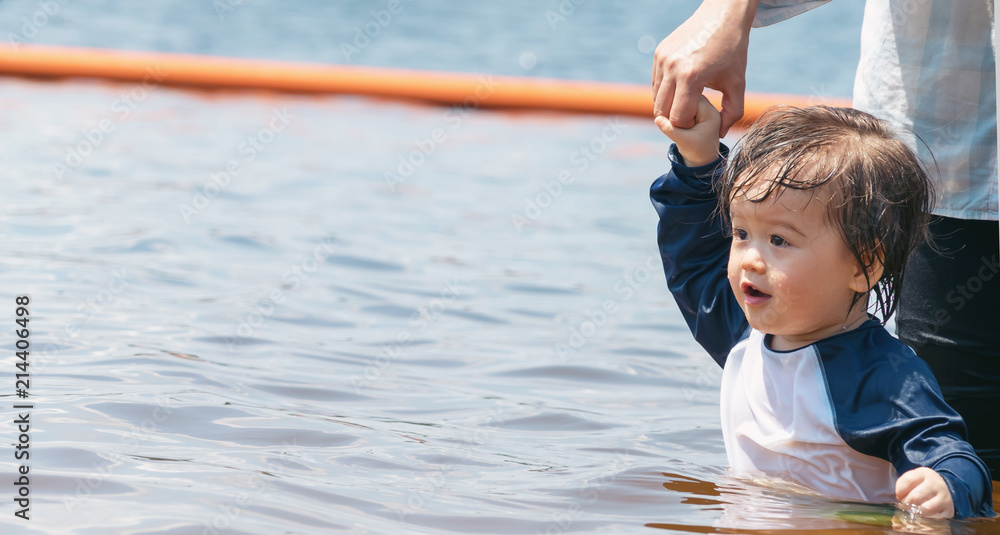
<point x="710" y="50"/>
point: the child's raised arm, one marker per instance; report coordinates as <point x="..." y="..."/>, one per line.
<point x="698" y="145"/>
<point x="693" y="242"/>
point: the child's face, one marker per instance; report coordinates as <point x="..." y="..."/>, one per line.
<point x="790" y="269"/>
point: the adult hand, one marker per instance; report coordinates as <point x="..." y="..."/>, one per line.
<point x="708" y="50"/>
<point x="926" y="488"/>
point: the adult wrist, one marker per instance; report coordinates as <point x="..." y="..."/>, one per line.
<point x="726" y="10"/>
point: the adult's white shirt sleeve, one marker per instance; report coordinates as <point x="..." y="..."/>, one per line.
<point x="772" y="11"/>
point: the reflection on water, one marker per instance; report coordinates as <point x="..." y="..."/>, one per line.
<point x="740" y="506"/>
<point x="276" y="341"/>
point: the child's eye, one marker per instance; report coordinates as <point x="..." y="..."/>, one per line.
<point x="739" y="234"/>
<point x="778" y="241"/>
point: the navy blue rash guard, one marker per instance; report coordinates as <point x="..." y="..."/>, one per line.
<point x="843" y="416"/>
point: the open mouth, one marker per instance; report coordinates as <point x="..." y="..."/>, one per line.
<point x="750" y="291"/>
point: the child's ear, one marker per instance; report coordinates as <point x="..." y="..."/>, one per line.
<point x="860" y="283"/>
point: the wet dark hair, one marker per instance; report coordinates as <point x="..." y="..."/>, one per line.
<point x="882" y="194"/>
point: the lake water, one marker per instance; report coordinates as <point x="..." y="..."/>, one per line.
<point x="258" y="313"/>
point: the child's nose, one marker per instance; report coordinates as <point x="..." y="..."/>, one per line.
<point x="752" y="260"/>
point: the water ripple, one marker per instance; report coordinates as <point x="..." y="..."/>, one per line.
<point x="556" y="422"/>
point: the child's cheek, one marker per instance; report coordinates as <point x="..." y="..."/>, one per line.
<point x="734" y="278"/>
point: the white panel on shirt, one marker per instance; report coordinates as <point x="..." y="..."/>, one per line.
<point x="777" y="419"/>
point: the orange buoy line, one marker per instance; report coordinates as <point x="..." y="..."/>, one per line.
<point x="213" y="72"/>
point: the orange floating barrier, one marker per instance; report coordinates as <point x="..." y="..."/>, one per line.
<point x="453" y="89"/>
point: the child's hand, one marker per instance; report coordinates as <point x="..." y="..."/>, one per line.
<point x="699" y="145"/>
<point x="926" y="488"/>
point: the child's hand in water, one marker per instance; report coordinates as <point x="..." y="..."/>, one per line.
<point x="925" y="488"/>
<point x="699" y="145"/>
